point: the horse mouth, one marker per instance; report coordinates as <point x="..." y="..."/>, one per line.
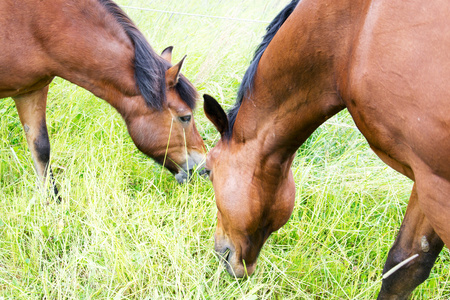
<point x="183" y="176"/>
<point x="203" y="171"/>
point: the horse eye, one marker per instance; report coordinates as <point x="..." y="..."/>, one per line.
<point x="185" y="119"/>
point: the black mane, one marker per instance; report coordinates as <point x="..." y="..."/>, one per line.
<point x="247" y="80"/>
<point x="150" y="68"/>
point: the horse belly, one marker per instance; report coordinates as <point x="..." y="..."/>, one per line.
<point x="399" y="94"/>
<point x="23" y="68"/>
<point x="16" y="78"/>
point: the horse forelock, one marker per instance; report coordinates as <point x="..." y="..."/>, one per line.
<point x="247" y="81"/>
<point x="150" y="68"/>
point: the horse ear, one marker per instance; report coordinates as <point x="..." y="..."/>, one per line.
<point x="173" y="73"/>
<point x="167" y="54"/>
<point x="215" y="113"/>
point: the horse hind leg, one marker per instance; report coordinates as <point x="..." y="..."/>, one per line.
<point x="416" y="236"/>
<point x="31" y="108"/>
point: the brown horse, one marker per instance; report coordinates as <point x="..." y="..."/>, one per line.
<point x="94" y="44"/>
<point x="388" y="63"/>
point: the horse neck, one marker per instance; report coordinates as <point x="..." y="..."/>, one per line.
<point x="86" y="45"/>
<point x="295" y="86"/>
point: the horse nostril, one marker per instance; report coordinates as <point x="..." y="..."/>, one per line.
<point x="227" y="254"/>
<point x="224" y="254"/>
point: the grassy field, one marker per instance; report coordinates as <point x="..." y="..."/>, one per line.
<point x="127" y="230"/>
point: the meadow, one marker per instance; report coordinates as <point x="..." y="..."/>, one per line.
<point x="127" y="230"/>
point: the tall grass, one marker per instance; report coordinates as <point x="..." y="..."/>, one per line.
<point x="127" y="230"/>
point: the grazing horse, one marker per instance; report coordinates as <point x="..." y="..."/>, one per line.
<point x="94" y="44"/>
<point x="388" y="63"/>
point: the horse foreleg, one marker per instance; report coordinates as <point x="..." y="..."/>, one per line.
<point x="416" y="236"/>
<point x="31" y="108"/>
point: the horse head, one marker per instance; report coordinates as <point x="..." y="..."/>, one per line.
<point x="169" y="135"/>
<point x="254" y="194"/>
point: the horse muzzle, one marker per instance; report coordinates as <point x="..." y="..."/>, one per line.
<point x="194" y="163"/>
<point x="231" y="260"/>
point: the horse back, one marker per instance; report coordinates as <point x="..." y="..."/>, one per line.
<point x="65" y="38"/>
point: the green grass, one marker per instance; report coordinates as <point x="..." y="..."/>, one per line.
<point x="127" y="230"/>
